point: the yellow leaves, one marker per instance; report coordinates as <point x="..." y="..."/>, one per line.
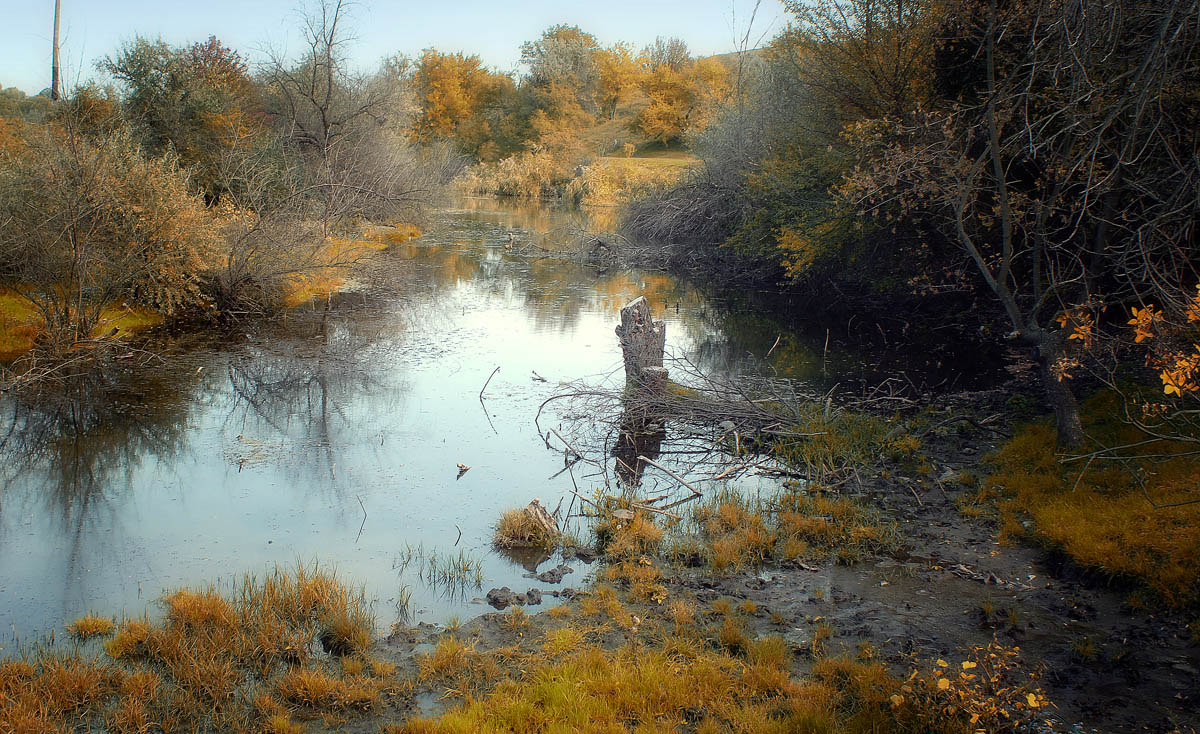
<point x="1143" y="322"/>
<point x="943" y="684"/>
<point x="1179" y="376"/>
<point x="968" y="665"/>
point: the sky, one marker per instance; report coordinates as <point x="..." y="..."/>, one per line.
<point x="92" y="29"/>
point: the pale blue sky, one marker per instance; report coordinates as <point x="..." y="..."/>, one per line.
<point x="494" y="30"/>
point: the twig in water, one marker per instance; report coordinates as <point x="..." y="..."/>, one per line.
<point x="674" y="476"/>
<point x="364" y="522"/>
<point x="772" y="349"/>
<point x="573" y="462"/>
<point x="485" y="384"/>
<point x="484" y="405"/>
<point x="585" y="499"/>
<point x="566" y="443"/>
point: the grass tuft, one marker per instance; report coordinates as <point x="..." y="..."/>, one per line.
<point x="516" y="529"/>
<point x="91" y="626"/>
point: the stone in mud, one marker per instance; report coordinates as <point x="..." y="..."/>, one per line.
<point x="553" y="576"/>
<point x="504" y="597"/>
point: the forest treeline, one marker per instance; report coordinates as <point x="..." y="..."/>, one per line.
<point x="1025" y="171"/>
<point x="188" y="183"/>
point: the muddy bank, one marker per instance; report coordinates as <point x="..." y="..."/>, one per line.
<point x="950" y="588"/>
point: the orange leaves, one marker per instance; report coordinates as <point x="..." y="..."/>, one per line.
<point x="1179" y="370"/>
<point x="1143" y="322"/>
<point x="991" y="690"/>
<point x="1081" y="324"/>
<point x="1179" y="377"/>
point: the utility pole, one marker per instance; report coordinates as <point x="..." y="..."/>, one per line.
<point x="54" y="75"/>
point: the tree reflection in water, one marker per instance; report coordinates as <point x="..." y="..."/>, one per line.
<point x="315" y="387"/>
<point x="76" y="443"/>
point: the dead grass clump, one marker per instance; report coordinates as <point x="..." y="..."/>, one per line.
<point x="132" y="640"/>
<point x="736" y="532"/>
<point x="517" y="529"/>
<point x="456" y="665"/>
<point x="201" y="609"/>
<point x="630" y="538"/>
<point x="90" y="626"/>
<point x="316" y="689"/>
<point x="209" y="665"/>
<point x="829" y="525"/>
<point x="346" y="628"/>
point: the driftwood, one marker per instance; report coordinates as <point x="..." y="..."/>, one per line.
<point x="537" y="514"/>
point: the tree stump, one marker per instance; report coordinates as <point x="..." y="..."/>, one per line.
<point x="643" y="341"/>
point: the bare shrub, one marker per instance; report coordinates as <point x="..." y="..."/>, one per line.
<point x="88" y="221"/>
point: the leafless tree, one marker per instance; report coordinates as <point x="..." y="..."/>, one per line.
<point x="338" y="159"/>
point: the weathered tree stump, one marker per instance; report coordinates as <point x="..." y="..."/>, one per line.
<point x="643" y="341"/>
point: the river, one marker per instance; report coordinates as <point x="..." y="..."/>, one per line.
<point x="334" y="436"/>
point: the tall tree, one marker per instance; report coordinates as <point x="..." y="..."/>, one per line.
<point x="565" y="57"/>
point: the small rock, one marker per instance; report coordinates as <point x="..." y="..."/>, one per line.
<point x="504" y="597"/>
<point x="554" y="575"/>
<point x="533" y="596"/>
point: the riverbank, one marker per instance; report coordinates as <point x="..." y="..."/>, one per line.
<point x="336" y="434"/>
<point x="22" y="324"/>
<point x="940" y="628"/>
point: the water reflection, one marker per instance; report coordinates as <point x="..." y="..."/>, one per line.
<point x="81" y="438"/>
<point x="335" y="434"/>
<point x="301" y="390"/>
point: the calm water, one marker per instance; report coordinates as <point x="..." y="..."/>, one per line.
<point x="334" y="437"/>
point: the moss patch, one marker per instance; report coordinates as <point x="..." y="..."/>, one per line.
<point x="1097" y="513"/>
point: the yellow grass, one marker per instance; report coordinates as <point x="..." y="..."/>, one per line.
<point x="732" y="532"/>
<point x="240" y="661"/>
<point x="91" y="626"/>
<point x="612" y="181"/>
<point x="1102" y="519"/>
<point x="516" y="529"/>
<point x="21" y="323"/>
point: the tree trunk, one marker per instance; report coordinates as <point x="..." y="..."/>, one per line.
<point x="643" y="341"/>
<point x="1050" y="347"/>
